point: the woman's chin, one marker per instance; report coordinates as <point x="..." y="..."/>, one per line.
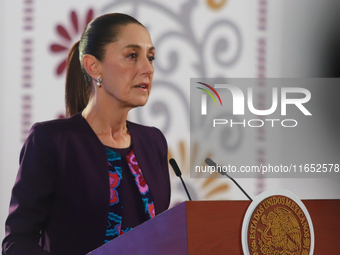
<point x="139" y="102"/>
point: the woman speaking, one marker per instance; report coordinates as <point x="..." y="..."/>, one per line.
<point x="93" y="176"/>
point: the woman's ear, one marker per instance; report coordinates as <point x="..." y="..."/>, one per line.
<point x="92" y="66"/>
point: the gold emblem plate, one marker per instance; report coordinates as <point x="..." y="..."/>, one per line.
<point x="277" y="223"/>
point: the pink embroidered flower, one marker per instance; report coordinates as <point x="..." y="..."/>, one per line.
<point x="151" y="209"/>
<point x="136" y="171"/>
<point x="114" y="182"/>
<point x="113" y="196"/>
<point x="68" y="37"/>
<point x="114" y="179"/>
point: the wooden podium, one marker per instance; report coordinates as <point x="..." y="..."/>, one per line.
<point x="214" y="227"/>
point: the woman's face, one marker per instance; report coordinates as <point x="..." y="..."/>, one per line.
<point x="127" y="69"/>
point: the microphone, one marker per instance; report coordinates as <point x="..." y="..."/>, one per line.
<point x="210" y="162"/>
<point x="179" y="174"/>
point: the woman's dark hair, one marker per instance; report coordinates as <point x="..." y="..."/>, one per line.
<point x="97" y="34"/>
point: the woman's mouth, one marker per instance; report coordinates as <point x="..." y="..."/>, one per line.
<point x="142" y="86"/>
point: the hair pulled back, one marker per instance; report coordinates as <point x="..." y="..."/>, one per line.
<point x="97" y="34"/>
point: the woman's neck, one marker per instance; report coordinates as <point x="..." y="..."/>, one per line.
<point x="108" y="121"/>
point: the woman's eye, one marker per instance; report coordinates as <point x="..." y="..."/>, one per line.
<point x="151" y="58"/>
<point x="133" y="55"/>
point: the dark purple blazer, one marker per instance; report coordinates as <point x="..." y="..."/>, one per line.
<point x="60" y="200"/>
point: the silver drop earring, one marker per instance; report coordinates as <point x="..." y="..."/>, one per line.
<point x="99" y="80"/>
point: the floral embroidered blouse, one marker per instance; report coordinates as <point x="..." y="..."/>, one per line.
<point x="131" y="202"/>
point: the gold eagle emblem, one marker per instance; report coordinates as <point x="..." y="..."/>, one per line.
<point x="282" y="234"/>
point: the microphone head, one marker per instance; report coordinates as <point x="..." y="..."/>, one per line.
<point x="210" y="162"/>
<point x="175" y="167"/>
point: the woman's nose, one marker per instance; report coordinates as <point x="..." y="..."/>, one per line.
<point x="146" y="66"/>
